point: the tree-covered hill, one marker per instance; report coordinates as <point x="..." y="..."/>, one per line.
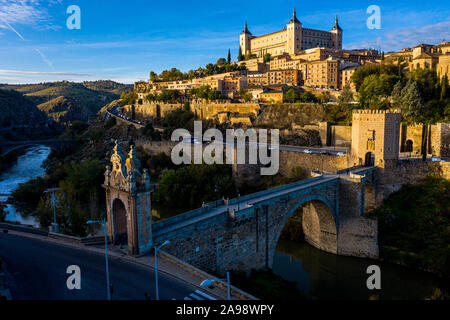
<point x="61" y="99"/>
<point x="17" y="110"/>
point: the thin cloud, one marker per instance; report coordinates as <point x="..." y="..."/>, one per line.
<point x="407" y="37"/>
<point x="38" y="73"/>
<point x="26" y="12"/>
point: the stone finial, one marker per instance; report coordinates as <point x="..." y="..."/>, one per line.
<point x="132" y="163"/>
<point x="146" y="179"/>
<point x="107" y="175"/>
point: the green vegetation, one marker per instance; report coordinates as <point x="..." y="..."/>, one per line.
<point x="87" y="97"/>
<point x="178" y="119"/>
<point x="296" y="95"/>
<point x="80" y="198"/>
<point x="80" y="100"/>
<point x="192" y="185"/>
<point x="414" y="226"/>
<point x="17" y="110"/>
<point x="346" y="95"/>
<point x="205" y="92"/>
<point x="221" y="66"/>
<point x="127" y="98"/>
<point x="168" y="96"/>
<point x="246" y="96"/>
<point x="266" y="285"/>
<point x="420" y="94"/>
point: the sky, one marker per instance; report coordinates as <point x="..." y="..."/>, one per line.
<point x="123" y="40"/>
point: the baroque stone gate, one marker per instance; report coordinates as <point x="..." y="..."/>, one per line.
<point x="128" y="204"/>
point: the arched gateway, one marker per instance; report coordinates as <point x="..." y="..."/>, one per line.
<point x="128" y="204"/>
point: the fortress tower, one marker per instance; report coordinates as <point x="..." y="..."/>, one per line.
<point x="294" y="35"/>
<point x="337" y="33"/>
<point x="245" y="38"/>
<point x="375" y="137"/>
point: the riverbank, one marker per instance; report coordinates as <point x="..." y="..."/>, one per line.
<point x="27" y="166"/>
<point x="8" y="160"/>
<point x="414" y="226"/>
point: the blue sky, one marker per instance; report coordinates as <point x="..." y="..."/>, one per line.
<point x="124" y="40"/>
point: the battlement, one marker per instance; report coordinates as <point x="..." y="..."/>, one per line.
<point x="368" y="111"/>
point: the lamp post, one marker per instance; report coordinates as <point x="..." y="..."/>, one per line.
<point x="105" y="226"/>
<point x="55" y="224"/>
<point x="208" y="282"/>
<point x="156" y="266"/>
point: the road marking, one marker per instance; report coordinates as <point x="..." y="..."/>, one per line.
<point x="196" y="297"/>
<point x="207" y="296"/>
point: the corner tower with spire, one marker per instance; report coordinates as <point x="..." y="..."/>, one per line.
<point x="337" y="35"/>
<point x="245" y="40"/>
<point x="294" y="35"/>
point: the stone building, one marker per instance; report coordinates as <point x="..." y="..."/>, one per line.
<point x="292" y="40"/>
<point x="290" y="77"/>
<point x="321" y="74"/>
<point x="375" y="137"/>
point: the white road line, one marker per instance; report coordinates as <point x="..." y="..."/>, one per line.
<point x="196" y="297"/>
<point x="207" y="296"/>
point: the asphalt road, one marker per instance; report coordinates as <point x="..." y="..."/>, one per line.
<point x="38" y="270"/>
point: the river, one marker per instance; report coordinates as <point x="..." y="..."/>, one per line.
<point x="322" y="275"/>
<point x="27" y="167"/>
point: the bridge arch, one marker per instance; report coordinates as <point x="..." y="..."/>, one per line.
<point x="319" y="223"/>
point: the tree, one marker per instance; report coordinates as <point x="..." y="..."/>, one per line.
<point x="412" y="102"/>
<point x="229" y="57"/>
<point x="267" y="58"/>
<point x="307" y="96"/>
<point x="153" y="76"/>
<point x="195" y="184"/>
<point x="444" y="87"/>
<point x="240" y="55"/>
<point x="346" y="95"/>
<point x="221" y="62"/>
<point x="291" y="95"/>
<point x="396" y="95"/>
<point x="246" y="96"/>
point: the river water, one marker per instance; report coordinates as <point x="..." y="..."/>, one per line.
<point x="323" y="275"/>
<point x="27" y="167"/>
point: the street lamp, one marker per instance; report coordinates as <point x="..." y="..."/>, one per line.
<point x="207" y="283"/>
<point x="156" y="266"/>
<point x="105" y="225"/>
<point x="55" y="224"/>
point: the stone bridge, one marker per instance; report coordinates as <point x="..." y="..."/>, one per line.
<point x="242" y="233"/>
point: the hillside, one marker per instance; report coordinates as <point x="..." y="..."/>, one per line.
<point x="283" y="115"/>
<point x="64" y="110"/>
<point x="16" y="110"/>
<point x="68" y="101"/>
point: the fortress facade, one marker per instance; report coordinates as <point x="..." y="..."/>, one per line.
<point x="292" y="40"/>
